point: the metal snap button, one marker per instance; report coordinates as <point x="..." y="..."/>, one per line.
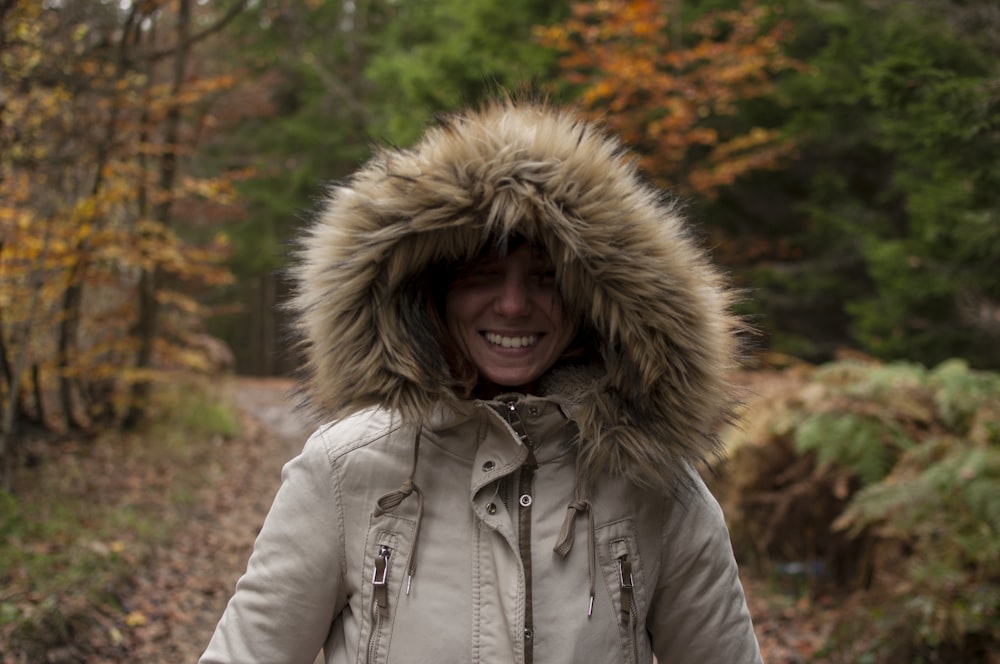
<point x="533" y="411"/>
<point x="491" y="508"/>
<point x="525" y="500"/>
<point x="488" y="466"/>
<point x="528" y="634"/>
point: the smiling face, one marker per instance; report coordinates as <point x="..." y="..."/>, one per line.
<point x="507" y="318"/>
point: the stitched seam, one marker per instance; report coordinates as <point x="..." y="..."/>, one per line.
<point x="476" y="595"/>
<point x="335" y="452"/>
<point x="341" y="528"/>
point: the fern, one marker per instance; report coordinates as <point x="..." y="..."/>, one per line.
<point x="959" y="393"/>
<point x="871" y="381"/>
<point x="865" y="444"/>
<point x="948" y="515"/>
<point x="924" y="518"/>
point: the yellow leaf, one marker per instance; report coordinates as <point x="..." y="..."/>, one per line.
<point x="135" y="619"/>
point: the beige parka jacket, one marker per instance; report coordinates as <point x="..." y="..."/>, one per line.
<point x="569" y="526"/>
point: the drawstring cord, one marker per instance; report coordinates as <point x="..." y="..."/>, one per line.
<point x="564" y="542"/>
<point x="390" y="501"/>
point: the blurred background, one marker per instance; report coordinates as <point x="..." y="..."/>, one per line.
<point x="841" y="159"/>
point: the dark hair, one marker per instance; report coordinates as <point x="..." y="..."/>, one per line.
<point x="436" y="282"/>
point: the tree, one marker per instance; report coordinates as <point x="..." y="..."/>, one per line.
<point x="92" y="144"/>
<point x="295" y="119"/>
<point x="842" y="155"/>
<point x="675" y="92"/>
<point x="439" y="55"/>
<point x="891" y="208"/>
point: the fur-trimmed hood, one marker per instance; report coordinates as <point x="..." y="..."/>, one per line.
<point x="624" y="259"/>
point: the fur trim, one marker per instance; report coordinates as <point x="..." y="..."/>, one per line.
<point x="624" y="259"/>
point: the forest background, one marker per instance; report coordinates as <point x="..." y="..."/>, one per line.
<point x="841" y="158"/>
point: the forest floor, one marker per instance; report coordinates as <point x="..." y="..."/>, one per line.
<point x="185" y="589"/>
<point x="170" y="609"/>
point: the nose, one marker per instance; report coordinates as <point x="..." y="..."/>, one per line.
<point x="513" y="299"/>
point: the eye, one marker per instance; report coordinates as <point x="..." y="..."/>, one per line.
<point x="545" y="278"/>
<point x="478" y="279"/>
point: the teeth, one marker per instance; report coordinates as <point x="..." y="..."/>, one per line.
<point x="511" y="342"/>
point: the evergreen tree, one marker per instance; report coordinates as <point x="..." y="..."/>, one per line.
<point x="438" y="55"/>
<point x="884" y="233"/>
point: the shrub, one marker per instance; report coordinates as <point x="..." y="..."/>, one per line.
<point x="886" y="478"/>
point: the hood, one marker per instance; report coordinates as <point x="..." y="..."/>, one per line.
<point x="625" y="263"/>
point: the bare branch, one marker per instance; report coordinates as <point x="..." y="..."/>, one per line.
<point x="223" y="21"/>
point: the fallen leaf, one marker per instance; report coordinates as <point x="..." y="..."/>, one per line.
<point x="135" y="619"/>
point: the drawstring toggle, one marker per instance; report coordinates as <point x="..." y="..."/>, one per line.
<point x="390" y="501"/>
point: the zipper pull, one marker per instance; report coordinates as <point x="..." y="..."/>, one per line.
<point x="380" y="577"/>
<point x="627" y="585"/>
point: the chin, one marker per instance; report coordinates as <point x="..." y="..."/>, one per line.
<point x="513" y="383"/>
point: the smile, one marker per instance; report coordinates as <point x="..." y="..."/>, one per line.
<point x="510" y="342"/>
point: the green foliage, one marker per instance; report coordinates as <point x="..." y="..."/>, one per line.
<point x="326" y="80"/>
<point x="881" y="233"/>
<point x="942" y="503"/>
<point x="437" y="55"/>
<point x="960" y="395"/>
<point x="884" y="234"/>
<point x="925" y="220"/>
<point x="864" y="444"/>
<point x="189" y="413"/>
<point x="914" y="455"/>
<point x="296" y="120"/>
<point x="866" y="440"/>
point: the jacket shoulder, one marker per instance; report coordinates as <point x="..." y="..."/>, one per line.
<point x="361" y="429"/>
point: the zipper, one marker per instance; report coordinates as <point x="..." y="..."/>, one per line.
<point x="525" y="486"/>
<point x="380" y="598"/>
<point x="629" y="613"/>
<point x="627" y="588"/>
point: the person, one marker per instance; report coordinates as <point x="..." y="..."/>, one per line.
<point x="522" y="354"/>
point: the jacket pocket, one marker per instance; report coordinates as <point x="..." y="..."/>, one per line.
<point x="618" y="552"/>
<point x="383" y="578"/>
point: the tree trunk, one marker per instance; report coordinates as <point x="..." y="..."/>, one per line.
<point x="68" y="326"/>
<point x="36" y="383"/>
<point x="8" y="441"/>
<point x="147" y="324"/>
<point x="73" y="297"/>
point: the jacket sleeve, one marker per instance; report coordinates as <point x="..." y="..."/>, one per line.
<point x="698" y="611"/>
<point x="288" y="597"/>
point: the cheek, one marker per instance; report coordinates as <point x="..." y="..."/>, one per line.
<point x="563" y="323"/>
<point x="566" y="337"/>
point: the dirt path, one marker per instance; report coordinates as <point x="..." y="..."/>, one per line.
<point x="189" y="582"/>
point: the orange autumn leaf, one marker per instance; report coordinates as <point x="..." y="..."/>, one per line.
<point x="667" y="99"/>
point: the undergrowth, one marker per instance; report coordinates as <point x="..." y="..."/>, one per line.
<point x="82" y="522"/>
<point x="883" y="481"/>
